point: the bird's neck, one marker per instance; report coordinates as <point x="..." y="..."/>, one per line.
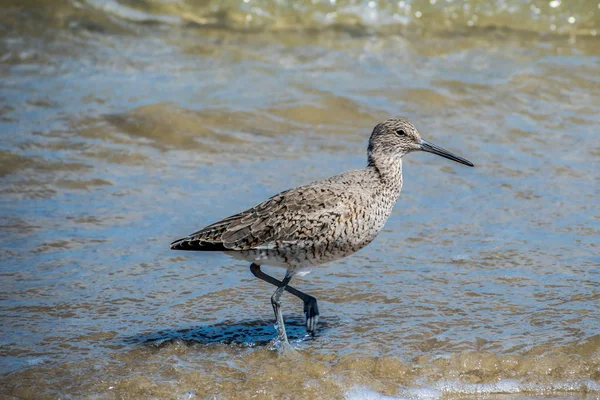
<point x="389" y="170"/>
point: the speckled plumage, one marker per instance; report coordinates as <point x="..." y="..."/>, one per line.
<point x="308" y="225"/>
<point x="311" y="224"/>
<point x="319" y="222"/>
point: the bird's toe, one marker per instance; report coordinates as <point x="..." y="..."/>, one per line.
<point x="311" y="311"/>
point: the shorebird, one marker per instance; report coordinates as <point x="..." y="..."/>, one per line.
<point x="310" y="225"/>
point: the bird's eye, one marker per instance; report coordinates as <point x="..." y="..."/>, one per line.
<point x="401" y="132"/>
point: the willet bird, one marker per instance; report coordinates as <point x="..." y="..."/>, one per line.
<point x="323" y="221"/>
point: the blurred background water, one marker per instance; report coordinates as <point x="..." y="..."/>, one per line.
<point x="127" y="124"/>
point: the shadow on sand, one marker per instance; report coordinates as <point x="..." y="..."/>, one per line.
<point x="248" y="333"/>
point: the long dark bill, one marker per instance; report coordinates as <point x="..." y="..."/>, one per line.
<point x="432" y="148"/>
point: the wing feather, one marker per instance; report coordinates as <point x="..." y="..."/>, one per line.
<point x="288" y="216"/>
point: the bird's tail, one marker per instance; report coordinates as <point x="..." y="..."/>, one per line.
<point x="191" y="243"/>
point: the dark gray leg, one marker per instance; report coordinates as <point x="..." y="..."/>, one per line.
<point x="282" y="336"/>
<point x="311" y="310"/>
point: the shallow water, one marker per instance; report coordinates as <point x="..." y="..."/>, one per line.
<point x="127" y="125"/>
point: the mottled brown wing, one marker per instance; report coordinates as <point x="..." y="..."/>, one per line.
<point x="296" y="214"/>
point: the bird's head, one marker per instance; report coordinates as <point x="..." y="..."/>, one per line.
<point x="397" y="137"/>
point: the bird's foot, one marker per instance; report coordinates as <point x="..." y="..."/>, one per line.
<point x="282" y="346"/>
<point x="311" y="311"/>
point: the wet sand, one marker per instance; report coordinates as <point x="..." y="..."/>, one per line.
<point x="122" y="133"/>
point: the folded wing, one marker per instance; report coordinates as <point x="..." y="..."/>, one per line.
<point x="288" y="217"/>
